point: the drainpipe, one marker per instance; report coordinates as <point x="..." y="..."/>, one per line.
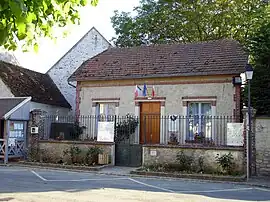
<point x="71" y="85"/>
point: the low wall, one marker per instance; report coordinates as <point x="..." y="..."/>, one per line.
<point x="263" y="145"/>
<point x="55" y="149"/>
<point x="155" y="154"/>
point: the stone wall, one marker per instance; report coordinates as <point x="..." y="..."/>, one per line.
<point x="263" y="145"/>
<point x="172" y="89"/>
<point x="168" y="153"/>
<point x="50" y="109"/>
<point x="87" y="47"/>
<point x="4" y="90"/>
<point x="54" y="150"/>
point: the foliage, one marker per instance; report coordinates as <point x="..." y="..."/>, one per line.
<point x="185" y="161"/>
<point x="125" y="128"/>
<point x="45" y="156"/>
<point x="173" y="138"/>
<point x="27" y="20"/>
<point x="167" y="21"/>
<point x="259" y="48"/>
<point x="91" y="157"/>
<point x="77" y="130"/>
<point x="226" y="162"/>
<point x="201" y="164"/>
<point x="73" y="153"/>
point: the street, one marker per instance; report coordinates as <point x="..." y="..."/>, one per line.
<point x="29" y="184"/>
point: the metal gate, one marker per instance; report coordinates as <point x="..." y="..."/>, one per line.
<point x="128" y="155"/>
<point x="128" y="151"/>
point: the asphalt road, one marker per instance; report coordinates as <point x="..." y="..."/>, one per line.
<point x="22" y="184"/>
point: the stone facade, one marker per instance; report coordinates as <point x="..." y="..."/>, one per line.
<point x="87" y="47"/>
<point x="263" y="145"/>
<point x="171" y="89"/>
<point x="167" y="154"/>
<point x="54" y="150"/>
<point x="50" y="109"/>
<point x="4" y="90"/>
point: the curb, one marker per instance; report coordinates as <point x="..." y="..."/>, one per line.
<point x="132" y="174"/>
<point x="192" y="176"/>
<point x="56" y="166"/>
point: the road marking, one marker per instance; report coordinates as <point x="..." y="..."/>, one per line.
<point x="84" y="180"/>
<point x="39" y="176"/>
<point x="262" y="189"/>
<point x="217" y="190"/>
<point x="152" y="186"/>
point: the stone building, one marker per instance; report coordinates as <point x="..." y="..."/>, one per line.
<point x="91" y="44"/>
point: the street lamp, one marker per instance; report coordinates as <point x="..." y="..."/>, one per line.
<point x="249" y="75"/>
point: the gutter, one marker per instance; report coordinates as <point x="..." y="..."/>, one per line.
<point x="71" y="85"/>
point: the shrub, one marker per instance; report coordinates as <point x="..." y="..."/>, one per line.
<point x="91" y="157"/>
<point x="125" y="128"/>
<point x="226" y="162"/>
<point x="73" y="153"/>
<point x="45" y="156"/>
<point x="185" y="162"/>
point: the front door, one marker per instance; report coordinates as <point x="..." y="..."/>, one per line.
<point x="150" y="123"/>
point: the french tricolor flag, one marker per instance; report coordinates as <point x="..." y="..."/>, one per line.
<point x="153" y="91"/>
<point x="138" y="91"/>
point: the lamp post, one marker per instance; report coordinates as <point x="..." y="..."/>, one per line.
<point x="249" y="74"/>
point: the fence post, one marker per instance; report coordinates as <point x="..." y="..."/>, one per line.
<point x="251" y="139"/>
<point x="36" y="120"/>
<point x="6" y="150"/>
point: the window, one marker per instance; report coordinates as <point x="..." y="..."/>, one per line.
<point x="105" y="112"/>
<point x="199" y="120"/>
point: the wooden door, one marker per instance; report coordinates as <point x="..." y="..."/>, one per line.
<point x="150" y="123"/>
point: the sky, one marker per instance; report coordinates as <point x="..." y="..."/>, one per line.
<point x="99" y="16"/>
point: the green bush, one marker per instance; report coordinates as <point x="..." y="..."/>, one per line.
<point x="91" y="157"/>
<point x="185" y="162"/>
<point x="73" y="153"/>
<point x="226" y="163"/>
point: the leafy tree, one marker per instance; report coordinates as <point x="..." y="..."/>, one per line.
<point x="259" y="47"/>
<point x="166" y="21"/>
<point x="27" y="20"/>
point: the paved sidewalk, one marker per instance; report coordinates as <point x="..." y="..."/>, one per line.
<point x="259" y="181"/>
<point x="117" y="170"/>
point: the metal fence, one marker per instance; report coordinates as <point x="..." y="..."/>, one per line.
<point x="150" y="129"/>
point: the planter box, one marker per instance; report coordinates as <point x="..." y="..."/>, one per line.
<point x="103" y="159"/>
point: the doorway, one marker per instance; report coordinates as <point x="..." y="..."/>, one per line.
<point x="150" y="122"/>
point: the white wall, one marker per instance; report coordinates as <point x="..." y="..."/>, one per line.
<point x="90" y="45"/>
<point x="50" y="109"/>
<point x="4" y="90"/>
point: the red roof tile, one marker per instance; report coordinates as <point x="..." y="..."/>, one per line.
<point x="205" y="58"/>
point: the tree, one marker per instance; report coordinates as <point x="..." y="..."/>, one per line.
<point x="27" y="20"/>
<point x="259" y="47"/>
<point x="168" y="21"/>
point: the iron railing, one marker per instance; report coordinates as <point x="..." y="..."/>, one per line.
<point x="148" y="129"/>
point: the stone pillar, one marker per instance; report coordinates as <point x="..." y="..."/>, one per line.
<point x="252" y="138"/>
<point x="36" y="120"/>
<point x="94" y="120"/>
<point x="162" y="123"/>
<point x="185" y="126"/>
<point x="137" y="115"/>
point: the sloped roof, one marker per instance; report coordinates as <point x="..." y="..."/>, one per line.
<point x="8" y="104"/>
<point x="217" y="57"/>
<point x="24" y="82"/>
<point x="82" y="38"/>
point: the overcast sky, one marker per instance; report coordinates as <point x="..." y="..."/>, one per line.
<point x="99" y="16"/>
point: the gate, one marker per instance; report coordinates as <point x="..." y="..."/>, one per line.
<point x="128" y="155"/>
<point x="127" y="150"/>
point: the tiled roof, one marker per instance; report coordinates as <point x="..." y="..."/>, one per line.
<point x="24" y="82"/>
<point x="8" y="104"/>
<point x="205" y="58"/>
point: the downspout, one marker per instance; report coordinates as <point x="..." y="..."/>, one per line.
<point x="71" y="85"/>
